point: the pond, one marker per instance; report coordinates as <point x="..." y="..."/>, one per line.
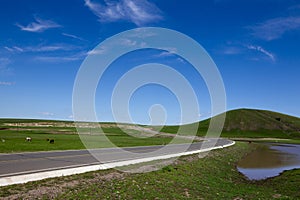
<point x="270" y="160"/>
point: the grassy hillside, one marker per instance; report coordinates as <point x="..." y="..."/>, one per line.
<point x="252" y="123"/>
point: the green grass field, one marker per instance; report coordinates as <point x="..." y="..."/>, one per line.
<point x="14" y="132"/>
<point x="242" y="123"/>
<point x="212" y="177"/>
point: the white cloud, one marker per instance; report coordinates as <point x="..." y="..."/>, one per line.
<point x="73" y="36"/>
<point x="18" y="49"/>
<point x="39" y="25"/>
<point x="41" y="48"/>
<point x="171" y="51"/>
<point x="139" y="12"/>
<point x="171" y="54"/>
<point x="14" y="48"/>
<point x="62" y="58"/>
<point x="165" y="54"/>
<point x="232" y="50"/>
<point x="6" y="83"/>
<point x="263" y="51"/>
<point x="49" y="53"/>
<point x="128" y="42"/>
<point x="58" y="58"/>
<point x="9" y="49"/>
<point x="48" y="48"/>
<point x="180" y="60"/>
<point x="4" y="62"/>
<point x="98" y="51"/>
<point x="274" y="28"/>
<point x="48" y="114"/>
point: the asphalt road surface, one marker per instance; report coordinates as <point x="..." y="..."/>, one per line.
<point x="27" y="163"/>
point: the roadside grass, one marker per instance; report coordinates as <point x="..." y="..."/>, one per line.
<point x="267" y="140"/>
<point x="212" y="177"/>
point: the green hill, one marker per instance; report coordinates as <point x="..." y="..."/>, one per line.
<point x="238" y="123"/>
<point x="252" y="123"/>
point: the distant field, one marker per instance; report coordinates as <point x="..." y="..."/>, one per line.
<point x="242" y="123"/>
<point x="14" y="132"/>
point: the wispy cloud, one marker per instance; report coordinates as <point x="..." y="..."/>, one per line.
<point x="62" y="58"/>
<point x="96" y="52"/>
<point x="243" y="49"/>
<point x="6" y="83"/>
<point x="4" y="66"/>
<point x="50" y="53"/>
<point x="128" y="42"/>
<point x="139" y="12"/>
<point x="56" y="59"/>
<point x="47" y="114"/>
<point x="73" y="36"/>
<point x="39" y="25"/>
<point x="263" y="51"/>
<point x="180" y="60"/>
<point x="232" y="50"/>
<point x="165" y="54"/>
<point x="274" y="28"/>
<point x="171" y="54"/>
<point x="41" y="48"/>
<point x="13" y="49"/>
<point x="9" y="49"/>
<point x="171" y="51"/>
<point x="48" y="48"/>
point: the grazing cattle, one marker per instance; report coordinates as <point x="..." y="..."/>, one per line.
<point x="47" y="139"/>
<point x="28" y="139"/>
<point x="51" y="141"/>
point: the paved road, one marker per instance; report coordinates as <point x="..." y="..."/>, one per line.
<point x="27" y="163"/>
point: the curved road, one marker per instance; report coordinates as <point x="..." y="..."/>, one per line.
<point x="20" y="164"/>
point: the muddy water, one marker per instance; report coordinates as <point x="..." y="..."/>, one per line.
<point x="270" y="160"/>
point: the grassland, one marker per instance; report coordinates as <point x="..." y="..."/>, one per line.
<point x="239" y="124"/>
<point x="212" y="177"/>
<point x="13" y="133"/>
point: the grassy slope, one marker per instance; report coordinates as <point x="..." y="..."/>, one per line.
<point x="212" y="177"/>
<point x="252" y="123"/>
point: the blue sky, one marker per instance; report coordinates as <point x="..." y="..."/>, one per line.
<point x="255" y="45"/>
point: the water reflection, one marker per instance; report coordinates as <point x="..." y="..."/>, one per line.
<point x="270" y="160"/>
